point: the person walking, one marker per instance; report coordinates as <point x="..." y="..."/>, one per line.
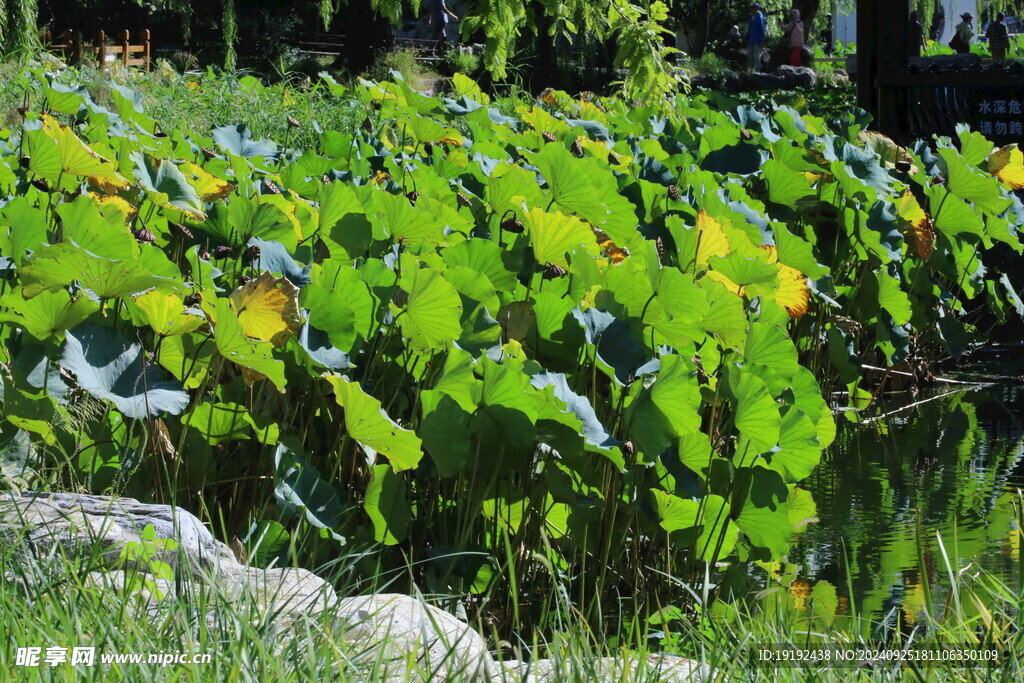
<point x="964" y="32"/>
<point x="795" y="29"/>
<point x="915" y="36"/>
<point x="998" y="37"/>
<point x="755" y="36"/>
<point x="437" y="21"/>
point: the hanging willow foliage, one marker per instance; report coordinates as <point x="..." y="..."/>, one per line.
<point x="230" y="34"/>
<point x="18" y="25"/>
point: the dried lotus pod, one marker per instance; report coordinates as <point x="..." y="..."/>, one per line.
<point x="463" y="200"/>
<point x="428" y="148"/>
<point x="144" y="235"/>
<point x="513" y="224"/>
<point x="181" y="231"/>
<point x="193" y="300"/>
<point x="24" y="161"/>
<point x="221" y="252"/>
<point x="553" y="271"/>
<point x="252" y="254"/>
<point x="412" y="196"/>
<point x="293" y="122"/>
<point x="205" y="255"/>
<point x="577" y="148"/>
<point x="660" y="245"/>
<point x="549" y="136"/>
<point x="270" y="187"/>
<point x="41" y="185"/>
<point x="673" y="193"/>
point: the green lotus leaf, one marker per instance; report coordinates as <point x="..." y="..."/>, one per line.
<point x="299" y="488"/>
<point x="799" y="447"/>
<point x="952" y="215"/>
<point x="484" y="257"/>
<point x="444" y="429"/>
<point x="167" y="185"/>
<point x="764" y="513"/>
<point x="769" y="345"/>
<point x="57" y="266"/>
<point x="983" y="189"/>
<point x="785" y="185"/>
<point x="238" y="140"/>
<point x="587" y="187"/>
<point x="343" y="220"/>
<point x="386" y="505"/>
<point x="111" y="369"/>
<point x="105" y="237"/>
<point x="367" y="423"/>
<point x="221" y="422"/>
<point x="892" y="298"/>
<point x="757" y="414"/>
<point x="553" y="235"/>
<point x="717" y="536"/>
<point x="431" y="318"/>
<point x="49" y="314"/>
<point x="22" y="229"/>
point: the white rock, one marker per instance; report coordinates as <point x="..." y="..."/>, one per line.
<point x="437" y="645"/>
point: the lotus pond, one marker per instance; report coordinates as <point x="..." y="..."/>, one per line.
<point x="516" y="353"/>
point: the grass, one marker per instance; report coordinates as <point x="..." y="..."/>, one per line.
<point x="200" y="100"/>
<point x="47" y="602"/>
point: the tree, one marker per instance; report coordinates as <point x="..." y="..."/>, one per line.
<point x="17" y="25"/>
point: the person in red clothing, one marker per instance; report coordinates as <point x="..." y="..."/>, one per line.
<point x="795" y="29"/>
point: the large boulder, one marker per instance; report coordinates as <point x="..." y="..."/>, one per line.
<point x="396" y="625"/>
<point x="756" y="80"/>
<point x="80" y="524"/>
<point x="796" y="76"/>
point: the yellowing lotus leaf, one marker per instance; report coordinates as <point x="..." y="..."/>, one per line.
<point x="915" y="225"/>
<point x="793" y="293"/>
<point x="1007" y="163"/>
<point x="268" y="309"/>
<point x="208" y="186"/>
<point x="112" y="201"/>
<point x="380" y="177"/>
<point x="78" y="159"/>
<point x="166" y="313"/>
<point x="711" y="239"/>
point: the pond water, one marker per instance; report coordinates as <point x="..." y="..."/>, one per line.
<point x="950" y="467"/>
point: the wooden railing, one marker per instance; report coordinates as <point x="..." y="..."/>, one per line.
<point x="923" y="101"/>
<point x="333" y="44"/>
<point x="73" y="48"/>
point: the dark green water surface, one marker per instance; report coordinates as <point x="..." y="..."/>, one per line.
<point x="904" y="499"/>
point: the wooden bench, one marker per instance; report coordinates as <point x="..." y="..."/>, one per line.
<point x="333" y="44"/>
<point x="70" y="45"/>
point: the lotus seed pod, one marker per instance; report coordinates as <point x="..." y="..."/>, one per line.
<point x="221" y="252"/>
<point x="463" y="200"/>
<point x="553" y="271"/>
<point x="673" y="193"/>
<point x="513" y="225"/>
<point x="549" y="136"/>
<point x="144" y="236"/>
<point x="181" y="231"/>
<point x="252" y="254"/>
<point x="293" y="122"/>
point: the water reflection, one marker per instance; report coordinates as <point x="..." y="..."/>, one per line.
<point x="883" y="492"/>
